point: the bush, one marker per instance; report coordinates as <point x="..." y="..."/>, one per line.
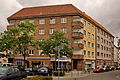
<point x="60" y="73"/>
<point x="39" y="78"/>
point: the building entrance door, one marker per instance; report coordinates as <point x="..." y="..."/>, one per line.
<point x="75" y="62"/>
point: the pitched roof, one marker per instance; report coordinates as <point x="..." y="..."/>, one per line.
<point x="52" y="10"/>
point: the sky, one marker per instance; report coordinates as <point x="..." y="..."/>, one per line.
<point x="106" y="12"/>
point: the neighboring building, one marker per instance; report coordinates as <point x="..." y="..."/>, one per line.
<point x="116" y="57"/>
<point x="105" y="47"/>
<point x="78" y="27"/>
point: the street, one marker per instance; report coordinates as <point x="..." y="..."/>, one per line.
<point x="111" y="75"/>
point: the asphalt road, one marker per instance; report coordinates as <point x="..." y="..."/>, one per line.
<point x="112" y="75"/>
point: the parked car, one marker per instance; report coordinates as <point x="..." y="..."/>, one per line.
<point x="31" y="71"/>
<point x="6" y="64"/>
<point x="45" y="71"/>
<point x="106" y="68"/>
<point x="98" y="70"/>
<point x="10" y="73"/>
<point x="118" y="68"/>
<point x="112" y="68"/>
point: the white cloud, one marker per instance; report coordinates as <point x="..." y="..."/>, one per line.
<point x="7" y="7"/>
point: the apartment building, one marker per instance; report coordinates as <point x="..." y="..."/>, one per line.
<point x="105" y="47"/>
<point x="89" y="44"/>
<point x="116" y="55"/>
<point x="78" y="27"/>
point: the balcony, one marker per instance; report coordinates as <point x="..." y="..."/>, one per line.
<point x="77" y="46"/>
<point x="77" y="56"/>
<point x="10" y="26"/>
<point x="77" y="35"/>
<point x="77" y="22"/>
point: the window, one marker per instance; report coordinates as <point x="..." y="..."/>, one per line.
<point x="98" y="45"/>
<point x="101" y="54"/>
<point x="63" y="20"/>
<point x="102" y="40"/>
<point x="40" y="51"/>
<point x="42" y="21"/>
<point x="84" y="32"/>
<point x="31" y="21"/>
<point x="41" y="31"/>
<point x="64" y="30"/>
<point x="84" y="53"/>
<point x="98" y="38"/>
<point x="52" y="21"/>
<point x="88" y="34"/>
<point x="51" y="30"/>
<point x="92" y="27"/>
<point x="21" y="52"/>
<point x="98" y="30"/>
<point x="92" y="36"/>
<point x="41" y="40"/>
<point x="88" y="53"/>
<point x="31" y="52"/>
<point x="101" y="31"/>
<point x="18" y="62"/>
<point x="102" y="47"/>
<point x="84" y="23"/>
<point x="88" y="25"/>
<point x="84" y="43"/>
<point x="92" y="45"/>
<point x="92" y="54"/>
<point x="98" y="54"/>
<point x="89" y="44"/>
<point x="22" y="22"/>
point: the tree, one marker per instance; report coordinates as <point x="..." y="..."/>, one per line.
<point x="49" y="46"/>
<point x="18" y="39"/>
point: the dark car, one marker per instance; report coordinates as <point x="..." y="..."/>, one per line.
<point x="31" y="71"/>
<point x="45" y="71"/>
<point x="106" y="68"/>
<point x="11" y="73"/>
<point x="98" y="70"/>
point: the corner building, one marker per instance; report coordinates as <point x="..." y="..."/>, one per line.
<point x="78" y="27"/>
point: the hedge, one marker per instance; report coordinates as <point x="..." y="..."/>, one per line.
<point x="38" y="78"/>
<point x="60" y="73"/>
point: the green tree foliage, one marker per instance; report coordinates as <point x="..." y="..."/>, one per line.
<point x="18" y="39"/>
<point x="56" y="39"/>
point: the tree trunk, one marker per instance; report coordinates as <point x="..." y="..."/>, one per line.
<point x="24" y="61"/>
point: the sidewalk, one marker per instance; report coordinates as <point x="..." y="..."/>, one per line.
<point x="73" y="75"/>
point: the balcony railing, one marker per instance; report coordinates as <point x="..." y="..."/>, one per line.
<point x="77" y="35"/>
<point x="77" y="56"/>
<point x="77" y="46"/>
<point x="10" y="26"/>
<point x="77" y="22"/>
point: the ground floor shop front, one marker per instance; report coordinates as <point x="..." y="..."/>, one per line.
<point x="102" y="62"/>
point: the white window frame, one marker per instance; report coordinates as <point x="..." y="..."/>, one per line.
<point x="63" y="20"/>
<point x="31" y="52"/>
<point x="32" y="21"/>
<point x="88" y="34"/>
<point x="40" y="52"/>
<point x="22" y="22"/>
<point x="51" y="30"/>
<point x="42" y="21"/>
<point x="64" y="30"/>
<point x="52" y="20"/>
<point x="41" y="31"/>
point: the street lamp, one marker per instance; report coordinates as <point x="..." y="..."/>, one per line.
<point x="58" y="48"/>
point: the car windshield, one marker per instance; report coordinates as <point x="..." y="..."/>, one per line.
<point x="3" y="70"/>
<point x="43" y="68"/>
